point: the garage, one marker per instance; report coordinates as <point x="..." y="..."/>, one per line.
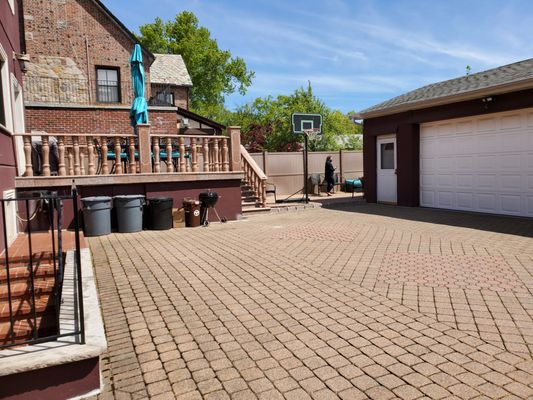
<point x="462" y="144"/>
<point x="482" y="164"/>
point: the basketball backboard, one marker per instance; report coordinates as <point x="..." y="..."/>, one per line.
<point x="302" y="122"/>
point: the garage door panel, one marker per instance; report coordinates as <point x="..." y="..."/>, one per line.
<point x="446" y="181"/>
<point x="511" y="183"/>
<point x="479" y="164"/>
<point x="486" y="181"/>
<point x="427" y="198"/>
<point x="512" y="121"/>
<point x="529" y="201"/>
<point x="465" y="181"/>
<point x="486" y="124"/>
<point x="427" y="180"/>
<point x="464" y="163"/>
<point x="511" y="161"/>
<point x="446" y="199"/>
<point x="464" y="127"/>
<point x="486" y="202"/>
<point x="465" y="201"/>
<point x="489" y="143"/>
<point x="511" y="204"/>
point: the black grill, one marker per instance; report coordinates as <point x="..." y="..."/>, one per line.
<point x="208" y="199"/>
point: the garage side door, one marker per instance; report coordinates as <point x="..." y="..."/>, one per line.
<point x="482" y="164"/>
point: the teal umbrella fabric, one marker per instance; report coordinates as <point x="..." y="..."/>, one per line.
<point x="139" y="108"/>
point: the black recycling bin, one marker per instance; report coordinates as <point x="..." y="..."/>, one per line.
<point x="160" y="213"/>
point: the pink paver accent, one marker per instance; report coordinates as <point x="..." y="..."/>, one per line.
<point x="452" y="271"/>
<point x="318" y="233"/>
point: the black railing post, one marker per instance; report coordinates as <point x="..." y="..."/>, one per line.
<point x="32" y="281"/>
<point x="78" y="263"/>
<point x="8" y="278"/>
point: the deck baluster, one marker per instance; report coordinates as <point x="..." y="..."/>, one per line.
<point x="76" y="148"/>
<point x="206" y="154"/>
<point x="157" y="161"/>
<point x="70" y="156"/>
<point x="216" y="154"/>
<point x="225" y="155"/>
<point x="103" y="147"/>
<point x="131" y="155"/>
<point x="118" y="156"/>
<point x="170" y="166"/>
<point x="90" y="155"/>
<point x="27" y="156"/>
<point x="45" y="155"/>
<point x="194" y="155"/>
<point x="82" y="162"/>
<point x="181" y="141"/>
<point x="62" y="171"/>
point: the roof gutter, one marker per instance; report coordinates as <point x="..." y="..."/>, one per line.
<point x="470" y="95"/>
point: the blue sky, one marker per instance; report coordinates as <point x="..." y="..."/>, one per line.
<point x="355" y="53"/>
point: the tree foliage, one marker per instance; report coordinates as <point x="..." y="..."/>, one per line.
<point x="214" y="72"/>
<point x="266" y="123"/>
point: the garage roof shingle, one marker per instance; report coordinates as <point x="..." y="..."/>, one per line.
<point x="492" y="78"/>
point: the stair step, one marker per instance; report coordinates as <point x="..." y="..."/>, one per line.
<point x="22" y="273"/>
<point x="22" y="289"/>
<point x="23" y="329"/>
<point x="254" y="210"/>
<point x="23" y="308"/>
<point x="249" y="198"/>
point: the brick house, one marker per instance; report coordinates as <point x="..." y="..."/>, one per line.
<point x="79" y="93"/>
<point x="11" y="108"/>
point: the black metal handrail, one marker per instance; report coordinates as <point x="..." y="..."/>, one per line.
<point x="54" y="204"/>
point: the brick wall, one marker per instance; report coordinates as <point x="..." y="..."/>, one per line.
<point x="94" y="120"/>
<point x="69" y="38"/>
<point x="181" y="97"/>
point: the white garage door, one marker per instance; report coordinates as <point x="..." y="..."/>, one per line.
<point x="482" y="164"/>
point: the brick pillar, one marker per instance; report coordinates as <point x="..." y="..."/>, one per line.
<point x="408" y="163"/>
<point x="145" y="159"/>
<point x="234" y="133"/>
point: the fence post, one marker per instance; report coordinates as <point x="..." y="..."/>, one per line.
<point x="145" y="160"/>
<point x="234" y="133"/>
<point x="340" y="166"/>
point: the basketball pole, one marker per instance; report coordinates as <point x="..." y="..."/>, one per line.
<point x="306" y="192"/>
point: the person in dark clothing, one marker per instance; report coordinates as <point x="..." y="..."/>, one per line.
<point x="329" y="173"/>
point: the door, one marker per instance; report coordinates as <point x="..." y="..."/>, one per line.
<point x="482" y="164"/>
<point x="386" y="171"/>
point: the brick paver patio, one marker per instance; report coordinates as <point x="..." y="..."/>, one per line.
<point x="364" y="301"/>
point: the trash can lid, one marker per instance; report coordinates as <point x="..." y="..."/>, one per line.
<point x="157" y="199"/>
<point x="129" y="196"/>
<point x="96" y="199"/>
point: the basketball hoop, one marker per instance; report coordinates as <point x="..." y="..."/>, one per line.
<point x="313" y="135"/>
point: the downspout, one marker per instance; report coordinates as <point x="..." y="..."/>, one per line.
<point x="88" y="67"/>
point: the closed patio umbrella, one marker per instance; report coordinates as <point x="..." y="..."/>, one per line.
<point x="139" y="108"/>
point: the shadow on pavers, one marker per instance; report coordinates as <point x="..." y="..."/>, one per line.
<point x="519" y="226"/>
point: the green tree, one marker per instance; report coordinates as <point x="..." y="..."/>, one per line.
<point x="266" y="123"/>
<point x="214" y="72"/>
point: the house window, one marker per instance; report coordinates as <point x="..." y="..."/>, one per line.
<point x="164" y="98"/>
<point x="107" y="85"/>
<point x="2" y="95"/>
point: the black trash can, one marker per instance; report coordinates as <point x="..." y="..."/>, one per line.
<point x="192" y="213"/>
<point x="160" y="213"/>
